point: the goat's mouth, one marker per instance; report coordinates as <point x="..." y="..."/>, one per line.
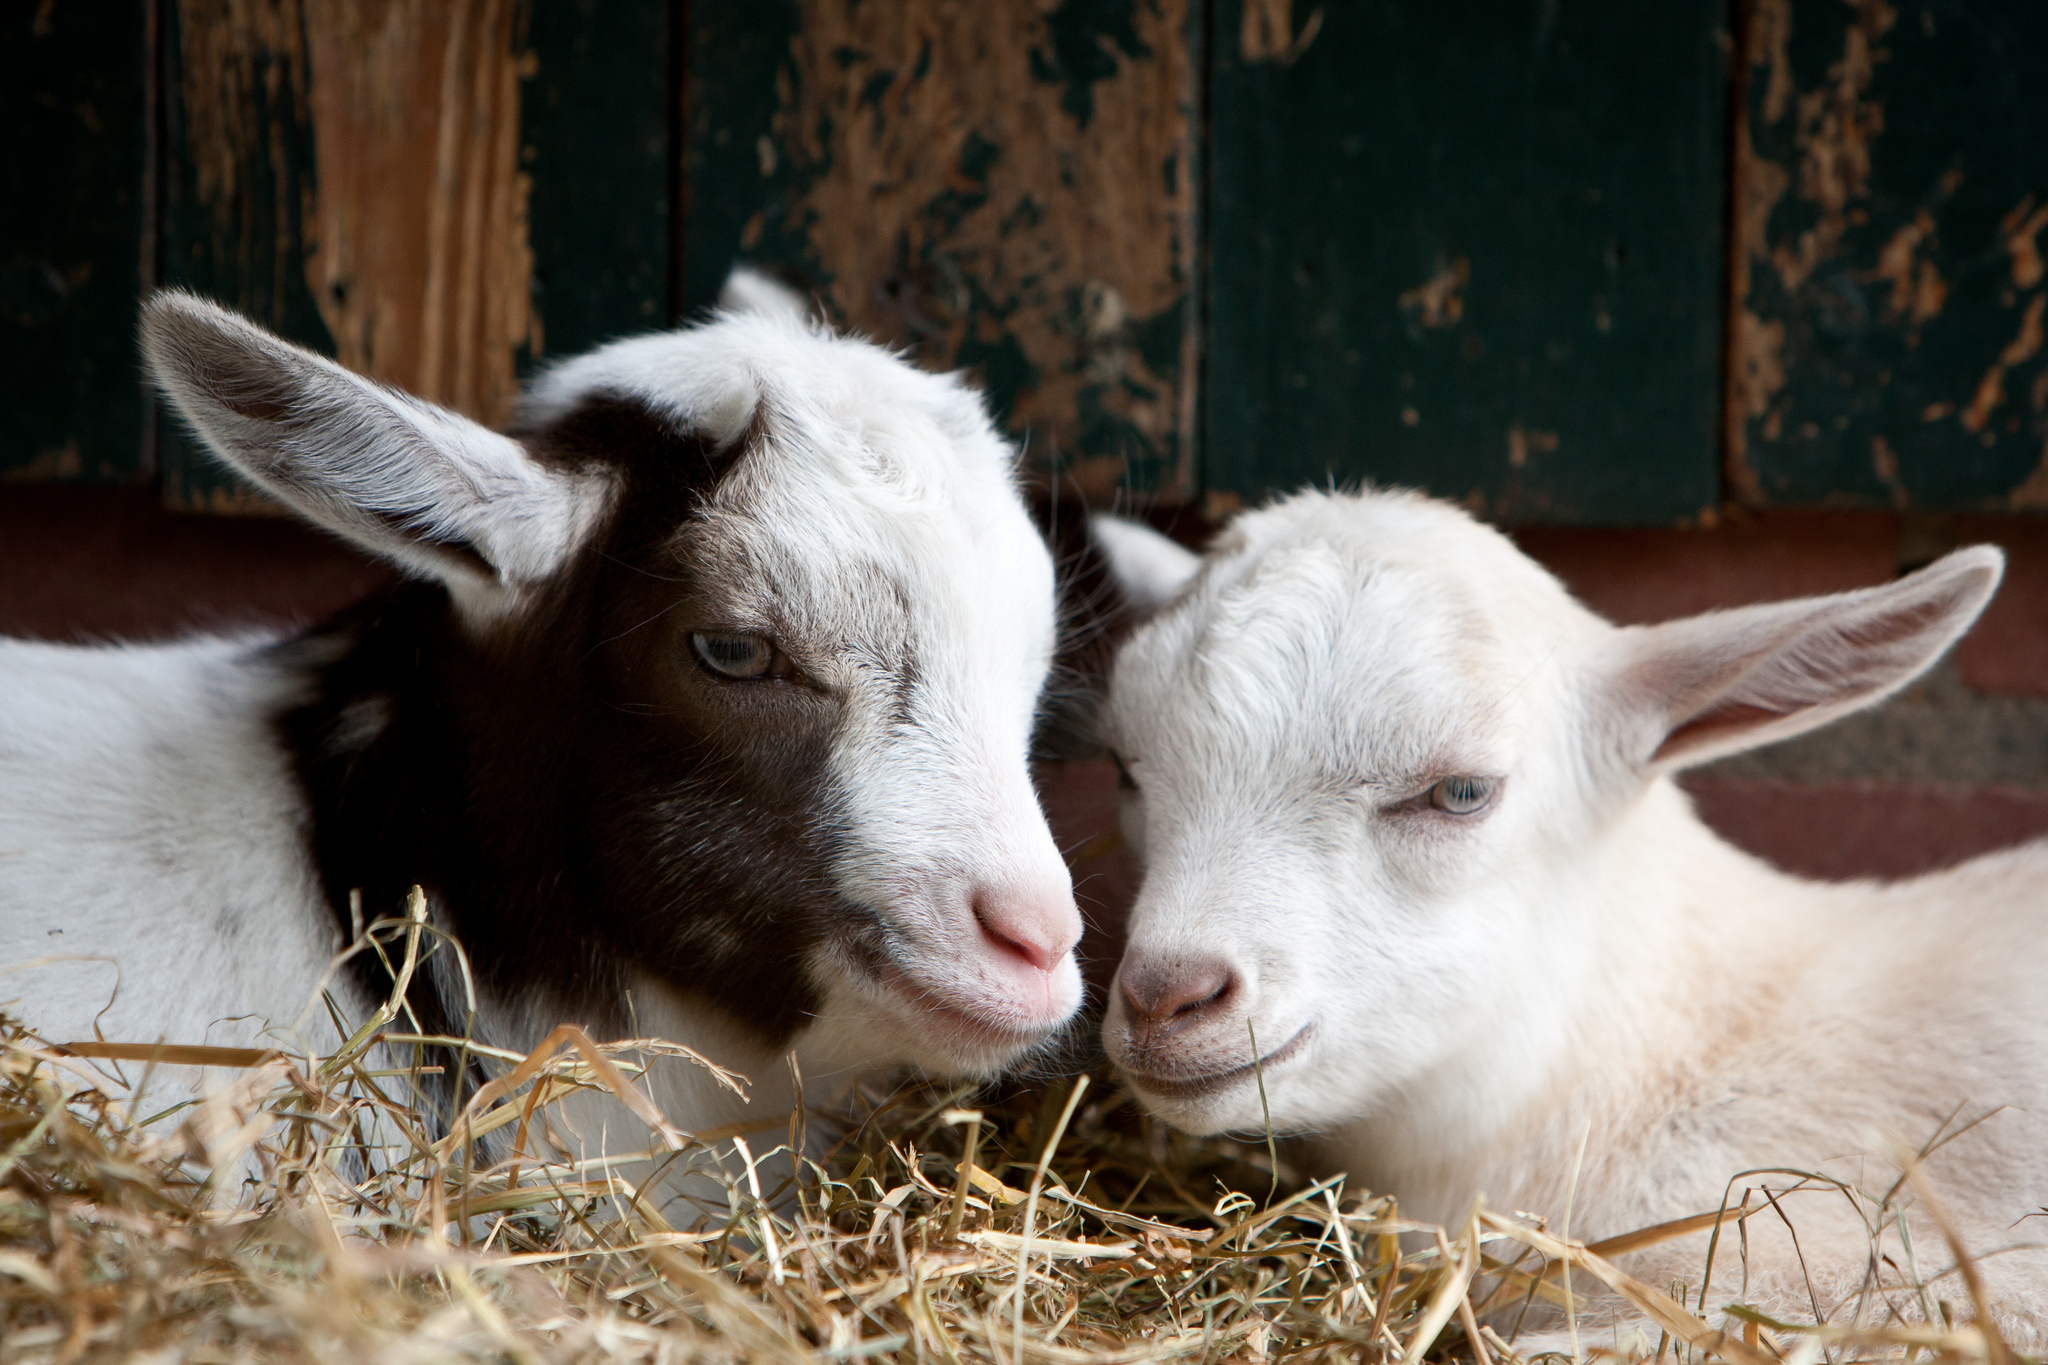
<point x="1178" y="1086"/>
<point x="927" y="1004"/>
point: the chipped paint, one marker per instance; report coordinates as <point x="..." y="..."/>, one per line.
<point x="1756" y="374"/>
<point x="1865" y="315"/>
<point x="2022" y="229"/>
<point x="1002" y="188"/>
<point x="1522" y="440"/>
<point x="2022" y="348"/>
<point x="1884" y="462"/>
<point x="1266" y="32"/>
<point x="351" y="176"/>
<point x="1756" y="370"/>
<point x="1836" y="126"/>
<point x="244" y="80"/>
<point x="1439" y="301"/>
<point x="417" y="244"/>
<point x="1918" y="290"/>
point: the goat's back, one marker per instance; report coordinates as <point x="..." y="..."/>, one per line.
<point x="152" y="858"/>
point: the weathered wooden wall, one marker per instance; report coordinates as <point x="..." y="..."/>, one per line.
<point x="1891" y="174"/>
<point x="439" y="194"/>
<point x="997" y="185"/>
<point x="349" y="173"/>
<point x="1194" y="248"/>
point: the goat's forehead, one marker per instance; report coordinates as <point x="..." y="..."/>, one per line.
<point x="713" y="379"/>
<point x="829" y="546"/>
<point x="1386" y="662"/>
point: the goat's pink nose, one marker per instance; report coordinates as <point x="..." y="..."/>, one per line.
<point x="1167" y="997"/>
<point x="1040" y="928"/>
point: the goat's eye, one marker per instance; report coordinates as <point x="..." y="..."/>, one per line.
<point x="737" y="656"/>
<point x="1124" y="780"/>
<point x="1462" y="795"/>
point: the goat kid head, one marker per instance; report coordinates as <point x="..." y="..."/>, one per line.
<point x="742" y="637"/>
<point x="1373" y="755"/>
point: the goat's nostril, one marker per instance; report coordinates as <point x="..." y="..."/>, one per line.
<point x="1198" y="1006"/>
<point x="1177" y="994"/>
<point x="1039" y="933"/>
<point x="1037" y="954"/>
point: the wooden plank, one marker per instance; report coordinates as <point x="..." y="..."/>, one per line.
<point x="1003" y="187"/>
<point x="1892" y="186"/>
<point x="72" y="79"/>
<point x="362" y="176"/>
<point x="348" y="175"/>
<point x="1472" y="248"/>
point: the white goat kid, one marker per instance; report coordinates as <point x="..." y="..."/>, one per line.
<point x="1406" y="815"/>
<point x="703" y="714"/>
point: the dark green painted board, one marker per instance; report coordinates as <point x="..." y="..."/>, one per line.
<point x="595" y="127"/>
<point x="1570" y="154"/>
<point x="734" y="53"/>
<point x="1895" y="340"/>
<point x="71" y="241"/>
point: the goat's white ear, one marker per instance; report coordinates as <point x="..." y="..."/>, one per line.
<point x="747" y="290"/>
<point x="1149" y="568"/>
<point x="442" y="496"/>
<point x="1713" y="685"/>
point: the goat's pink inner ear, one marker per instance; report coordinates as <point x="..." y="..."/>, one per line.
<point x="1733" y="680"/>
<point x="1711" y="727"/>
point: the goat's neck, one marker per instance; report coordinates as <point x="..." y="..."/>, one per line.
<point x="1647" y="983"/>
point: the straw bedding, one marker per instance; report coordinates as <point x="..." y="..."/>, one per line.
<point x="1047" y="1223"/>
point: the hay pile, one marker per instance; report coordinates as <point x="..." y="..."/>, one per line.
<point x="939" y="1227"/>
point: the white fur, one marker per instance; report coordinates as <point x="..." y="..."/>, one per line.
<point x="1448" y="1004"/>
<point x="380" y="467"/>
<point x="150" y="835"/>
<point x="148" y="815"/>
<point x="1150" y="569"/>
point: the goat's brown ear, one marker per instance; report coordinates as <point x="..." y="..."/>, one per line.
<point x="1149" y="568"/>
<point x="1713" y="685"/>
<point x="434" y="492"/>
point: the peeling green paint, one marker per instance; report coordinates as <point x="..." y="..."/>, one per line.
<point x="1411" y="224"/>
<point x="1884" y="356"/>
<point x="924" y="181"/>
<point x="1078" y="52"/>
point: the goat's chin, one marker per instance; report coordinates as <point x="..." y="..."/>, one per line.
<point x="985" y="1028"/>
<point x="958" y="1024"/>
<point x="1203" y="1089"/>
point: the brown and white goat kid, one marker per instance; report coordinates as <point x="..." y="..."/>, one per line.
<point x="1407" y="816"/>
<point x="702" y="714"/>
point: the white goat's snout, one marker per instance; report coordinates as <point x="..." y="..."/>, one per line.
<point x="1185" y="1030"/>
<point x="1163" y="999"/>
